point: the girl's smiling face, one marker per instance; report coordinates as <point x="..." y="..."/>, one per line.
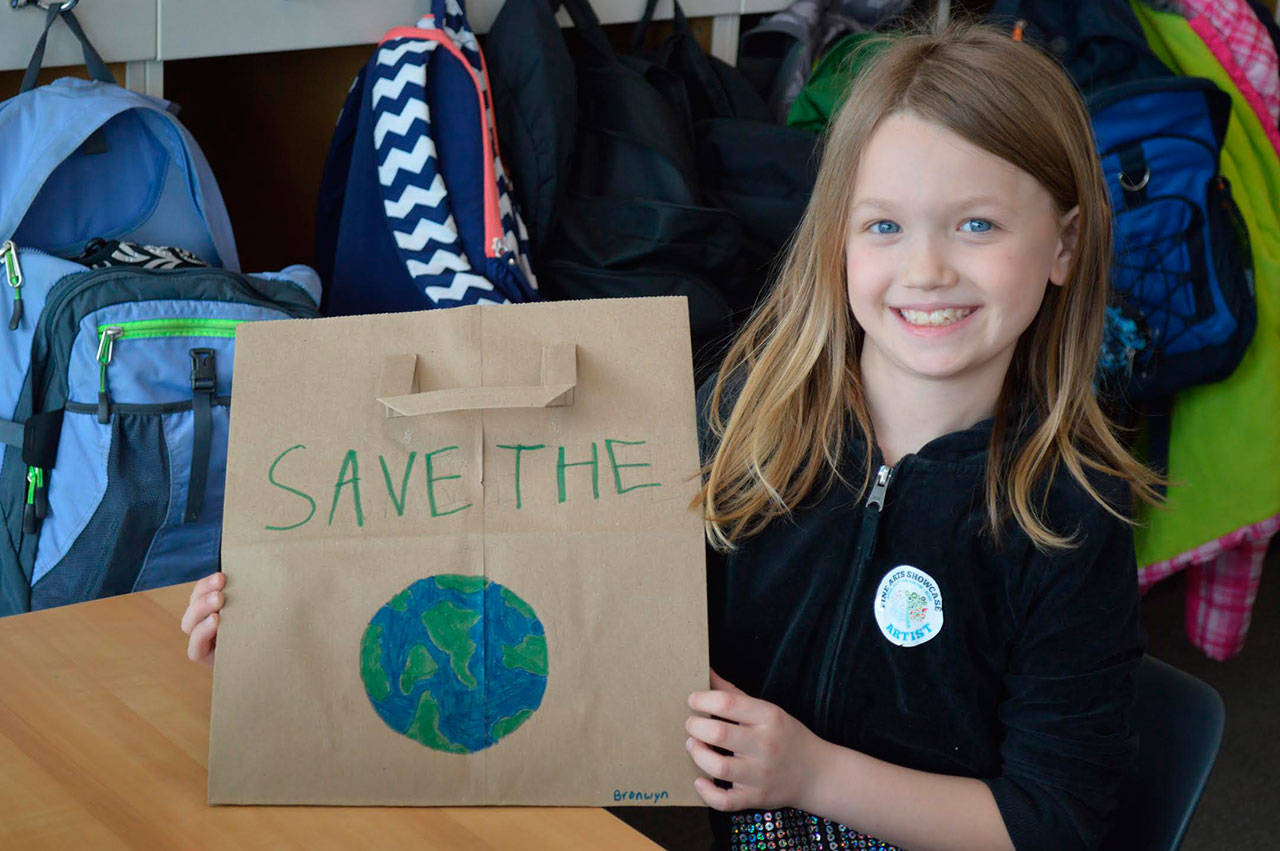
<point x="949" y="250"/>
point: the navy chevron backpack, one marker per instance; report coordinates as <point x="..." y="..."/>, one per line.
<point x="122" y="300"/>
<point x="415" y="208"/>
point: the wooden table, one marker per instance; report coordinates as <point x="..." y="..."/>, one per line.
<point x="104" y="742"/>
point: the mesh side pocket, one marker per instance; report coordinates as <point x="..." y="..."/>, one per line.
<point x="107" y="555"/>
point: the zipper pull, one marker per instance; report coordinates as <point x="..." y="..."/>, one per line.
<point x="13" y="276"/>
<point x="871" y="517"/>
<point x="879" y="487"/>
<point x="106" y="348"/>
<point x="41" y="495"/>
<point x="31" y="514"/>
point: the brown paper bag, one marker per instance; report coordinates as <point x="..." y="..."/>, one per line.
<point x="461" y="567"/>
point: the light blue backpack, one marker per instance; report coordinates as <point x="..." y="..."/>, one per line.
<point x="114" y="382"/>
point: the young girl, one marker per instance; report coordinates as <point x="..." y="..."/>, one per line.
<point x="925" y="618"/>
<point x="926" y="613"/>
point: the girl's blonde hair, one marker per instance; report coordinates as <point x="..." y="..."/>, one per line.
<point x="794" y="366"/>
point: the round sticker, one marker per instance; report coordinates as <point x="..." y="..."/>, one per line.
<point x="908" y="606"/>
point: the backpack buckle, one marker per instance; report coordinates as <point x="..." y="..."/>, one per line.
<point x="203" y="376"/>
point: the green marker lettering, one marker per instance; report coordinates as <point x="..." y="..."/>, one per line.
<point x="520" y="447"/>
<point x="404" y="483"/>
<point x="271" y="477"/>
<point x="595" y="471"/>
<point x="432" y="478"/>
<point x="349" y="461"/>
<point x="617" y="479"/>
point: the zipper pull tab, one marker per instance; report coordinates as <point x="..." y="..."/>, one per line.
<point x="31" y="513"/>
<point x="871" y="518"/>
<point x="41" y="495"/>
<point x="106" y="348"/>
<point x="13" y="276"/>
<point x="879" y="487"/>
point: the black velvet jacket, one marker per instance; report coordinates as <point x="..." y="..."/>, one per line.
<point x="1026" y="683"/>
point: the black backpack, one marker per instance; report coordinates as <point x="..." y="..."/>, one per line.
<point x="623" y="206"/>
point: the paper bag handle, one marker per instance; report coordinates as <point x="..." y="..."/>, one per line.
<point x="397" y="390"/>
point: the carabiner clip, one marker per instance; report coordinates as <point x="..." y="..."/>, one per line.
<point x="65" y="5"/>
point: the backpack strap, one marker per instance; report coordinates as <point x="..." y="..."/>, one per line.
<point x="414" y="194"/>
<point x="203" y="377"/>
<point x="37" y="437"/>
<point x="98" y="69"/>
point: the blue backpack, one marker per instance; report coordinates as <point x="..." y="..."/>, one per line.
<point x="114" y="381"/>
<point x="415" y="211"/>
<point x="1182" y="271"/>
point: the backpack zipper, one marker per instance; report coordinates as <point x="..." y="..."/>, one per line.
<point x="141" y="329"/>
<point x="844" y="610"/>
<point x="137" y="329"/>
<point x="37" y="506"/>
<point x="13" y="277"/>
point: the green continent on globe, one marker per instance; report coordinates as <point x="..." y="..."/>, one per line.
<point x="447" y="625"/>
<point x="503" y="726"/>
<point x="419" y="666"/>
<point x="371" y="670"/>
<point x="519" y="605"/>
<point x="400" y="602"/>
<point x="459" y="583"/>
<point x="426" y="727"/>
<point x="529" y="655"/>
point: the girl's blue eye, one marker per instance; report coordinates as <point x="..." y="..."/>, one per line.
<point x="884" y="226"/>
<point x="979" y="226"/>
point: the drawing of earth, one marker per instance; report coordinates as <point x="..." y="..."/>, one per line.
<point x="454" y="662"/>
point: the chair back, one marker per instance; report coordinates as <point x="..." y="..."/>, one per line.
<point x="1179" y="720"/>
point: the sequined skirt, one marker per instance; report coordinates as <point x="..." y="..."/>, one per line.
<point x="795" y="830"/>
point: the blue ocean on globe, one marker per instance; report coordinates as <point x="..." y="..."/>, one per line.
<point x="454" y="662"/>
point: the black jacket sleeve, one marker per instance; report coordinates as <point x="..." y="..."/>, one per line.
<point x="1068" y="690"/>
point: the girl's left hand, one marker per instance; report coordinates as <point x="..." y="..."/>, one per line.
<point x="774" y="759"/>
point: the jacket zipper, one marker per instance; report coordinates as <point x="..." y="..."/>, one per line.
<point x="139" y="329"/>
<point x="844" y="611"/>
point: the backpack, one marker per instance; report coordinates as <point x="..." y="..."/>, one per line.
<point x="673" y="182"/>
<point x="114" y="381"/>
<point x="1182" y="268"/>
<point x="1182" y="298"/>
<point x="415" y="212"/>
<point x="630" y="216"/>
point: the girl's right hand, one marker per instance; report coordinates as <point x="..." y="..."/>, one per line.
<point x="200" y="621"/>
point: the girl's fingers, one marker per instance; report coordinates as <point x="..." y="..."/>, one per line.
<point x="724" y="800"/>
<point x="212" y="582"/>
<point x="732" y="769"/>
<point x="201" y="607"/>
<point x="733" y="706"/>
<point x="203" y="636"/>
<point x="720" y="734"/>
